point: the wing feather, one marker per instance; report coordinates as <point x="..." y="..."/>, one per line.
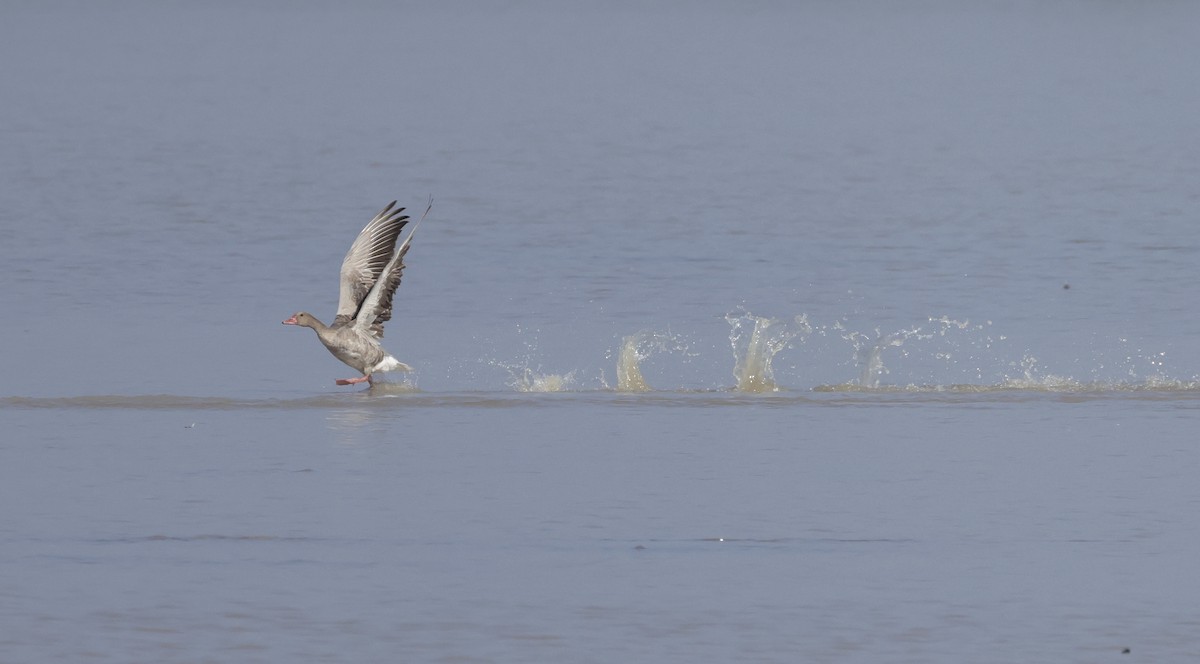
<point x="367" y="258"/>
<point x="376" y="306"/>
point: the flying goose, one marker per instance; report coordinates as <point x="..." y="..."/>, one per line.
<point x="370" y="274"/>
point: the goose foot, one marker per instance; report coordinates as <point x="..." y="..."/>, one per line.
<point x="352" y="381"/>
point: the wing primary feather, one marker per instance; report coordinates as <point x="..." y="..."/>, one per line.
<point x="366" y="259"/>
<point x="375" y="308"/>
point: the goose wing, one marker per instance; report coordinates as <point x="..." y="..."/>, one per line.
<point x="366" y="260"/>
<point x="376" y="308"/>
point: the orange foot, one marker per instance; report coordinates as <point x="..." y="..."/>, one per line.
<point x="352" y="381"/>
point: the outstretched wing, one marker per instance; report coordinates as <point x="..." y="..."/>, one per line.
<point x="368" y="257"/>
<point x="376" y="307"/>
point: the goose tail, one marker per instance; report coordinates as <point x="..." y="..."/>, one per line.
<point x="389" y="363"/>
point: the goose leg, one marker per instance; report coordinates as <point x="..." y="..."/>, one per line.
<point x="352" y="381"/>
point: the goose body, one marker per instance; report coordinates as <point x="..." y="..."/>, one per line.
<point x="370" y="273"/>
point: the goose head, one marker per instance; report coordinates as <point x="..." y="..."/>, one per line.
<point x="303" y="319"/>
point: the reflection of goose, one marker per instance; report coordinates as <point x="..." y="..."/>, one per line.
<point x="370" y="274"/>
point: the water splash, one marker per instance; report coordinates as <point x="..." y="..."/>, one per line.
<point x="1032" y="378"/>
<point x="969" y="348"/>
<point x="526" y="375"/>
<point x="868" y="352"/>
<point x="756" y="341"/>
<point x="532" y="381"/>
<point x="637" y="348"/>
<point x="525" y="378"/>
<point x="629" y="372"/>
<point x="948" y="346"/>
<point x="382" y="386"/>
<point x="1139" y="362"/>
<point x="938" y="353"/>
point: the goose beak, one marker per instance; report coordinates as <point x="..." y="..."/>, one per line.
<point x="291" y="321"/>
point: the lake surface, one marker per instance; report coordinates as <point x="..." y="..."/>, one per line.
<point x="830" y="332"/>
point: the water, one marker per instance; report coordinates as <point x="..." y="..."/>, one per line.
<point x="640" y="347"/>
<point x="835" y="332"/>
<point x="756" y="341"/>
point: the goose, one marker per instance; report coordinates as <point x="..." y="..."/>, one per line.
<point x="370" y="274"/>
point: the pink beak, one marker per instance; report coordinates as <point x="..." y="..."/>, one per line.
<point x="291" y="321"/>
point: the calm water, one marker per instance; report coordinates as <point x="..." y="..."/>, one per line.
<point x="743" y="332"/>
